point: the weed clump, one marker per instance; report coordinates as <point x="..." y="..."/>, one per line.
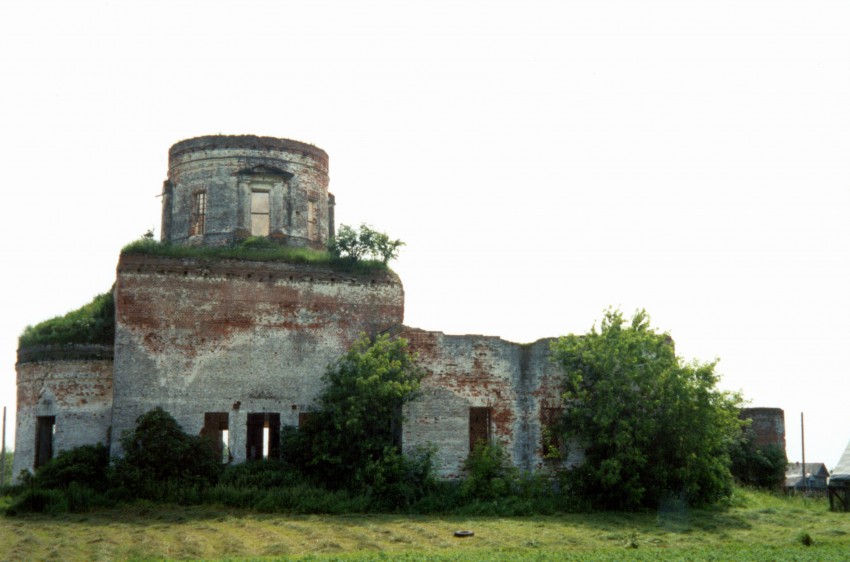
<point x="805" y="538"/>
<point x="93" y="323"/>
<point x="254" y="249"/>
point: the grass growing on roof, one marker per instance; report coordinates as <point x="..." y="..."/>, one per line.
<point x="93" y="323"/>
<point x="253" y="249"/>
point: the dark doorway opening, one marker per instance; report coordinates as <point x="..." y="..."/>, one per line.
<point x="263" y="439"/>
<point x="479" y="426"/>
<point x="45" y="428"/>
<point x="216" y="430"/>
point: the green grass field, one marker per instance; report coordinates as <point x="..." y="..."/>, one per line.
<point x="756" y="526"/>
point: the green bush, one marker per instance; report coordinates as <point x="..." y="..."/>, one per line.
<point x="85" y="466"/>
<point x="652" y="424"/>
<point x="36" y="500"/>
<point x="263" y="474"/>
<point x="162" y="462"/>
<point x="489" y="473"/>
<point x="93" y="323"/>
<point x="396" y="481"/>
<point x="351" y="442"/>
<point x="762" y="467"/>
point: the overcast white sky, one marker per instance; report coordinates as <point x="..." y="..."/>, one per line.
<point x="542" y="160"/>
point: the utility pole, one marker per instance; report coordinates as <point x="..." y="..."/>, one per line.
<point x="3" y="452"/>
<point x="803" y="443"/>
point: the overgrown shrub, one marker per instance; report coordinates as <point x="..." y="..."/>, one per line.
<point x="360" y="411"/>
<point x="351" y="442"/>
<point x="162" y="462"/>
<point x="86" y="466"/>
<point x="38" y="500"/>
<point x="396" y="481"/>
<point x="652" y="424"/>
<point x="93" y="323"/>
<point x="489" y="473"/>
<point x="762" y="467"/>
<point x="263" y="474"/>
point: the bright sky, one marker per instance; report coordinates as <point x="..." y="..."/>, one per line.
<point x="542" y="160"/>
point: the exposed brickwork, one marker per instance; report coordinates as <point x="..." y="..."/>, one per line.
<point x="465" y="372"/>
<point x="220" y="342"/>
<point x="240" y="337"/>
<point x="78" y="392"/>
<point x="768" y="427"/>
<point x="226" y="169"/>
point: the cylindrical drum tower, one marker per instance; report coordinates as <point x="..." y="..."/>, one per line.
<point x="222" y="189"/>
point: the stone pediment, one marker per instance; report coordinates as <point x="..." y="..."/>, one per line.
<point x="267" y="171"/>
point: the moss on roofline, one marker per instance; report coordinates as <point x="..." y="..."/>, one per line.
<point x="254" y="249"/>
<point x="93" y="323"/>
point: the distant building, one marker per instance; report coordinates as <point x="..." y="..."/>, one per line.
<point x="817" y="476"/>
<point x="767" y="426"/>
<point x="839" y="483"/>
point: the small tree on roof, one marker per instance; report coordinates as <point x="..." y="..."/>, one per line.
<point x="364" y="242"/>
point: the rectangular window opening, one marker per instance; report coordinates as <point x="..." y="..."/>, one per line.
<point x="312" y="220"/>
<point x="263" y="438"/>
<point x="199" y="213"/>
<point x="216" y="431"/>
<point x="479" y="426"/>
<point x="551" y="440"/>
<point x="260" y="213"/>
<point x="304" y="417"/>
<point x="45" y="430"/>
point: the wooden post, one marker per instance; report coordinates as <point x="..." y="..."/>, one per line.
<point x="803" y="442"/>
<point x="3" y="452"/>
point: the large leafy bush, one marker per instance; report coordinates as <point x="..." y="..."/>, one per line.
<point x="651" y="425"/>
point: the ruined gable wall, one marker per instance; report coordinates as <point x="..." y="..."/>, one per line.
<point x="72" y="383"/>
<point x="196" y="336"/>
<point x="516" y="381"/>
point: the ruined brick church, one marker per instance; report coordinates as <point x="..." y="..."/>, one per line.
<point x="235" y="349"/>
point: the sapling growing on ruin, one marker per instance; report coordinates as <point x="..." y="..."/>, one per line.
<point x="362" y="243"/>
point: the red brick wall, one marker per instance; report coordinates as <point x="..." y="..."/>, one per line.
<point x="198" y="336"/>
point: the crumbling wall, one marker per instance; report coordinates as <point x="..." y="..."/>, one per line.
<point x="768" y="426"/>
<point x="514" y="382"/>
<point x="72" y="384"/>
<point x="226" y="169"/>
<point x="225" y="336"/>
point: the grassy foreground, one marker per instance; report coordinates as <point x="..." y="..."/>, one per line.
<point x="756" y="527"/>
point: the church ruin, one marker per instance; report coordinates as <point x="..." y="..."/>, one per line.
<point x="235" y="349"/>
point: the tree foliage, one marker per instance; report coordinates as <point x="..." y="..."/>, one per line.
<point x="351" y="441"/>
<point x="159" y="455"/>
<point x="87" y="465"/>
<point x="362" y="243"/>
<point x="651" y="425"/>
<point x="762" y="467"/>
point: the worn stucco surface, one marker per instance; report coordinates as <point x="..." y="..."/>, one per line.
<point x="227" y="169"/>
<point x="236" y="337"/>
<point x="515" y="381"/>
<point x="77" y="391"/>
